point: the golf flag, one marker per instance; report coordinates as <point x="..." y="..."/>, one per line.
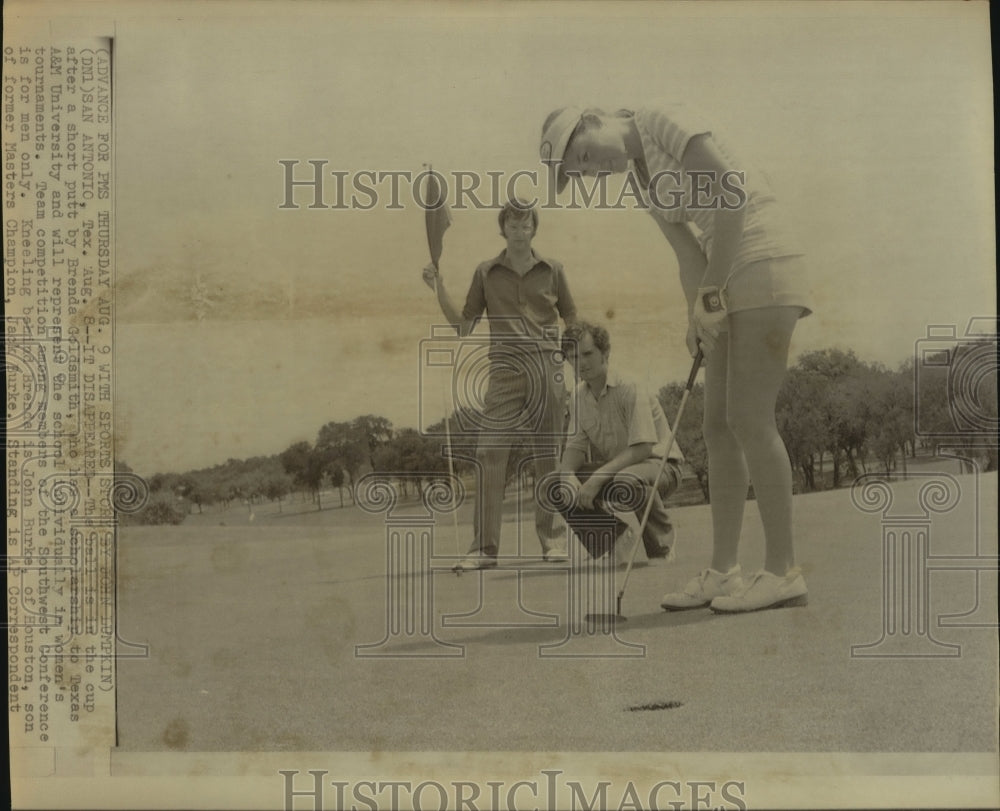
<point x="437" y="216"/>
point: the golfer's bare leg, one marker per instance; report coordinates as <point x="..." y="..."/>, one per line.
<point x="758" y="357"/>
<point x="729" y="479"/>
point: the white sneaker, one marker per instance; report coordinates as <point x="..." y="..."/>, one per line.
<point x="703" y="589"/>
<point x="474" y="562"/>
<point x="765" y="590"/>
<point x="668" y="547"/>
<point x="559" y="556"/>
<point x="623" y="547"/>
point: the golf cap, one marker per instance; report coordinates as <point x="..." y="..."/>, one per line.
<point x="558" y="130"/>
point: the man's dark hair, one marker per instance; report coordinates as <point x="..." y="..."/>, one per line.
<point x="518" y="209"/>
<point x="574" y="334"/>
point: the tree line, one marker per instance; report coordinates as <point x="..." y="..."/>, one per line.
<point x="838" y="415"/>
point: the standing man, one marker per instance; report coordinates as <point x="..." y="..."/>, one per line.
<point x="624" y="430"/>
<point x="523" y="296"/>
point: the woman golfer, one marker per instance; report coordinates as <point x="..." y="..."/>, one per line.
<point x="745" y="287"/>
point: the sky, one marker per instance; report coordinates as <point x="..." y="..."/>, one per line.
<point x="242" y="327"/>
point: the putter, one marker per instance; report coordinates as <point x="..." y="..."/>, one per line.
<point x="618" y="616"/>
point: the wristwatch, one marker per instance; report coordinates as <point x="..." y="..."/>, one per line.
<point x="711" y="300"/>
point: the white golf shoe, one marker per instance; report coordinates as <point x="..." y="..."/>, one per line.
<point x="474" y="562"/>
<point x="623" y="547"/>
<point x="558" y="555"/>
<point x="700" y="591"/>
<point x="765" y="590"/>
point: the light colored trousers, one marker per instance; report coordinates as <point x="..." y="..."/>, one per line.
<point x="524" y="401"/>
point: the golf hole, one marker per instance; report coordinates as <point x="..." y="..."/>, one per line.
<point x="659" y="705"/>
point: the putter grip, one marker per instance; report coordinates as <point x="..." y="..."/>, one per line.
<point x="694" y="369"/>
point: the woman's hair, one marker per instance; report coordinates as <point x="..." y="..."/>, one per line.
<point x="518" y="209"/>
<point x="574" y="334"/>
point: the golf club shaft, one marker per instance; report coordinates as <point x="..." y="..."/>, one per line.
<point x="666" y="456"/>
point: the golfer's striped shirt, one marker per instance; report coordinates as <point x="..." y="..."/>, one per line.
<point x="624" y="413"/>
<point x="665" y="132"/>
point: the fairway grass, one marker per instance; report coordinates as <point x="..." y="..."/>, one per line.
<point x="252" y="632"/>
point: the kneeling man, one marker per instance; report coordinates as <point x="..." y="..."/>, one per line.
<point x="620" y="438"/>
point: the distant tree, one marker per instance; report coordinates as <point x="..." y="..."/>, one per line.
<point x="889" y="400"/>
<point x="341" y="444"/>
<point x="407" y="453"/>
<point x="306" y="467"/>
<point x="162" y="481"/>
<point x="277" y="485"/>
<point x="161" y="508"/>
<point x="844" y="429"/>
<point x="931" y="393"/>
<point x="294" y="461"/>
<point x="906" y="379"/>
<point x="371" y="432"/>
<point x="802" y="423"/>
<point x="338" y="478"/>
<point x="458" y="429"/>
<point x="193" y="488"/>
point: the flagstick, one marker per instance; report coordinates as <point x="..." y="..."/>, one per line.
<point x="447" y="424"/>
<point x="451" y="467"/>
